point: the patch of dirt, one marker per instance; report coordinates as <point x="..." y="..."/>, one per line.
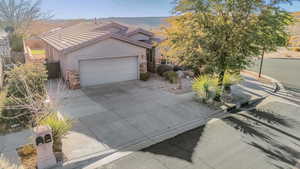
<point x="284" y="53"/>
<point x="160" y="82"/>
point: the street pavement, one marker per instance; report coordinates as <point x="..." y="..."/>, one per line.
<point x="267" y="137"/>
<point x="285" y="70"/>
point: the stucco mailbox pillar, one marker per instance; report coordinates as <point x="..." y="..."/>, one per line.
<point x="44" y="144"/>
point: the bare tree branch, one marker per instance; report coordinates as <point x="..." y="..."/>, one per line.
<point x="19" y="14"/>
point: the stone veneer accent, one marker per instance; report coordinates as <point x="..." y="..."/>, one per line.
<point x="143" y="64"/>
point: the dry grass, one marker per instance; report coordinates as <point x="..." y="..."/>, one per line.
<point x="283" y="53"/>
<point x="38" y="52"/>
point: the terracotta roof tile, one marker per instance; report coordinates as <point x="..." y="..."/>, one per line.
<point x="83" y="33"/>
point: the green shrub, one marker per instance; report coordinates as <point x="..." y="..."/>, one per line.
<point x="32" y="76"/>
<point x="144" y="76"/>
<point x="60" y="127"/>
<point x="161" y="69"/>
<point x="16" y="43"/>
<point x="206" y="87"/>
<point x="171" y="76"/>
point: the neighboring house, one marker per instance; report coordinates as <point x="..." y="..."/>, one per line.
<point x="4" y="45"/>
<point x="102" y="52"/>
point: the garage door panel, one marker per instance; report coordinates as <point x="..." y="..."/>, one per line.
<point x="101" y="71"/>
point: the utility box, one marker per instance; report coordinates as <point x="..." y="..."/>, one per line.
<point x="44" y="147"/>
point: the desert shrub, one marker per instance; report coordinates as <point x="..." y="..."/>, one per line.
<point x="171" y="76"/>
<point x="16" y="43"/>
<point x="144" y="76"/>
<point x="297" y="49"/>
<point x="5" y="164"/>
<point x="24" y="93"/>
<point x="27" y="150"/>
<point x="231" y="79"/>
<point x="60" y="127"/>
<point x="161" y="69"/>
<point x="206" y="87"/>
<point x="34" y="75"/>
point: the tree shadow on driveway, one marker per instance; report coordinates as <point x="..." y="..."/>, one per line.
<point x="181" y="146"/>
<point x="275" y="132"/>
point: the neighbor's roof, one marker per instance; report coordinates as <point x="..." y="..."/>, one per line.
<point x="87" y="33"/>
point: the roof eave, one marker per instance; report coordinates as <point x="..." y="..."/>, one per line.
<point x="139" y="30"/>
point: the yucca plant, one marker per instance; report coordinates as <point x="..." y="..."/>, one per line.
<point x="206" y="86"/>
<point x="5" y="164"/>
<point x="231" y="79"/>
<point x="60" y="127"/>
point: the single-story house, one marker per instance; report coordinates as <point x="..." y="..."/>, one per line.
<point x="102" y="52"/>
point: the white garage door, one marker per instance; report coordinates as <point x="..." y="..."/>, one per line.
<point x="108" y="70"/>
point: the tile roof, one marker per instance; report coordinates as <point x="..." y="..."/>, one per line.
<point x="87" y="33"/>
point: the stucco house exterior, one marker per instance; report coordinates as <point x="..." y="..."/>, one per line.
<point x="102" y="52"/>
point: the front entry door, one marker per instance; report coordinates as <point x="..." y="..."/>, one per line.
<point x="151" y="60"/>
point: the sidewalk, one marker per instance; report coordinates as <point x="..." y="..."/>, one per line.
<point x="252" y="88"/>
<point x="10" y="142"/>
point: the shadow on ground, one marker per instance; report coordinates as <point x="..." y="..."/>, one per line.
<point x="171" y="147"/>
<point x="271" y="144"/>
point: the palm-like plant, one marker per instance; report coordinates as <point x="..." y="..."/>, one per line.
<point x="60" y="127"/>
<point x="205" y="86"/>
<point x="231" y="79"/>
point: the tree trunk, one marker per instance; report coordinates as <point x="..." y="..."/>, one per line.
<point x="220" y="84"/>
<point x="261" y="62"/>
<point x="57" y="145"/>
<point x="221" y="78"/>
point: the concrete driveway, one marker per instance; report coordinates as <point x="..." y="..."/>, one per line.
<point x="126" y="116"/>
<point x="267" y="139"/>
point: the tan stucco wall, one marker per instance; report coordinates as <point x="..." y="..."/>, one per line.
<point x="104" y="49"/>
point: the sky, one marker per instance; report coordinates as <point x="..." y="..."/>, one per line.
<point x="71" y="9"/>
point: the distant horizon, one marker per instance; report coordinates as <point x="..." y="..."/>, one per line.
<point x="121" y="17"/>
<point x="110" y="17"/>
<point x="89" y="9"/>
